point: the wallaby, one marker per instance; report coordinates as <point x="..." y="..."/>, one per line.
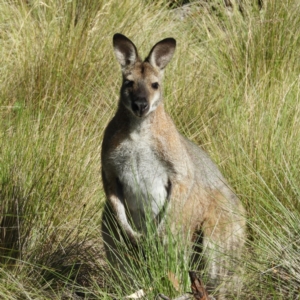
<point x="148" y="164"/>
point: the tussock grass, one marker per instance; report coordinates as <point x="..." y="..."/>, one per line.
<point x="232" y="87"/>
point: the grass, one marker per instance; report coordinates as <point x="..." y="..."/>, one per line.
<point x="232" y="87"/>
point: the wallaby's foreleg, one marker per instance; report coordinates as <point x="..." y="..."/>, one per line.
<point x="114" y="193"/>
<point x="118" y="252"/>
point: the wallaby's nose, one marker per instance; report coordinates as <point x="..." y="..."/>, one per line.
<point x="140" y="106"/>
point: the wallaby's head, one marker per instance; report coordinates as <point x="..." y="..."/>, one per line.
<point x="141" y="87"/>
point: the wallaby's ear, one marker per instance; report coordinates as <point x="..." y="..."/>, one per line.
<point x="125" y="50"/>
<point x="161" y="53"/>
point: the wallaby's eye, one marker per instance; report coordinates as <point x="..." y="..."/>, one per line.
<point x="155" y="85"/>
<point x="128" y="83"/>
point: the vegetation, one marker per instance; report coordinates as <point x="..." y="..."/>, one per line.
<point x="232" y="87"/>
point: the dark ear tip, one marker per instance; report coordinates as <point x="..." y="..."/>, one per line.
<point x="171" y="41"/>
<point x="120" y="37"/>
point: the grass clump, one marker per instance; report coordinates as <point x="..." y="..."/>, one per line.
<point x="232" y="87"/>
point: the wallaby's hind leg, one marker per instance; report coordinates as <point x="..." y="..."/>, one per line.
<point x="223" y="239"/>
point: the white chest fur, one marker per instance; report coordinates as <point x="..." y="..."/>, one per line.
<point x="143" y="177"/>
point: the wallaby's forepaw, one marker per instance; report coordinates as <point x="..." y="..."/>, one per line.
<point x="161" y="230"/>
<point x="135" y="238"/>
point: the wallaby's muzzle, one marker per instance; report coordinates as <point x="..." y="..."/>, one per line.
<point x="140" y="100"/>
<point x="140" y="107"/>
